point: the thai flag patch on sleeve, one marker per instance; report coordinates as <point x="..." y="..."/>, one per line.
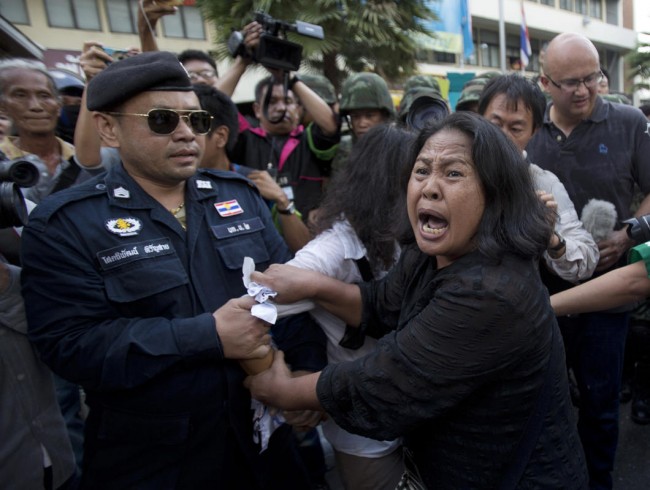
<point x="228" y="208"/>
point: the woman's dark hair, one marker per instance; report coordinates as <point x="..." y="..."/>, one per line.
<point x="517" y="90"/>
<point x="367" y="194"/>
<point x="514" y="220"/>
<point x="223" y="111"/>
<point x="195" y="54"/>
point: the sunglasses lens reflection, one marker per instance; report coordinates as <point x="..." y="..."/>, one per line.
<point x="165" y="121"/>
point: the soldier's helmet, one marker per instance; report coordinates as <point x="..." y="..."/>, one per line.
<point x="617" y="98"/>
<point x="422" y="81"/>
<point x="321" y="85"/>
<point x="366" y="91"/>
<point x="473" y="89"/>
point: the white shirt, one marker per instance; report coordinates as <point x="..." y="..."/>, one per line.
<point x="333" y="253"/>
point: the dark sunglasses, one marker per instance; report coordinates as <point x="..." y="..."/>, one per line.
<point x="165" y="121"/>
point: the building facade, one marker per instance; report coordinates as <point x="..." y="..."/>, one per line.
<point x="60" y="27"/>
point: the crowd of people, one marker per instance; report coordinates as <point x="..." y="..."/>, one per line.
<point x="457" y="320"/>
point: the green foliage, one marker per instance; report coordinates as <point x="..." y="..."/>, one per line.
<point x="639" y="63"/>
<point x="360" y="35"/>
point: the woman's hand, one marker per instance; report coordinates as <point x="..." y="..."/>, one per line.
<point x="291" y="283"/>
<point x="270" y="386"/>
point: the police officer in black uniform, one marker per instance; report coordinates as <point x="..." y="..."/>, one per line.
<point x="133" y="284"/>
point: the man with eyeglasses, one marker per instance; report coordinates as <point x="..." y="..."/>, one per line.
<point x="133" y="285"/>
<point x="599" y="151"/>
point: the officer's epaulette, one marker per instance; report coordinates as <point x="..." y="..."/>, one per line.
<point x="42" y="213"/>
<point x="226" y="175"/>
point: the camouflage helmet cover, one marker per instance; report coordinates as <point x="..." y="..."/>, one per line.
<point x="366" y="91"/>
<point x="473" y="89"/>
<point x="321" y="85"/>
<point x="414" y="93"/>
<point x="617" y="98"/>
<point x="422" y="81"/>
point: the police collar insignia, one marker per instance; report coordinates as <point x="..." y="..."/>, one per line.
<point x="121" y="192"/>
<point x="203" y="184"/>
<point x="124" y="226"/>
<point x="228" y="208"/>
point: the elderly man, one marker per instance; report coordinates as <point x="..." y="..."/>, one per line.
<point x="598" y="150"/>
<point x="133" y="285"/>
<point x="28" y="96"/>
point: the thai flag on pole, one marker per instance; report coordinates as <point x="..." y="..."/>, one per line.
<point x="525" y="51"/>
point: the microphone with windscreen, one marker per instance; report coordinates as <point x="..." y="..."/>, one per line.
<point x="599" y="218"/>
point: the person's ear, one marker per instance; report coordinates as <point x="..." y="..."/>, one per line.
<point x="220" y="136"/>
<point x="544" y="81"/>
<point x="107" y="128"/>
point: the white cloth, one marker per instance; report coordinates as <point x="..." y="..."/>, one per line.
<point x="333" y="253"/>
<point x="581" y="256"/>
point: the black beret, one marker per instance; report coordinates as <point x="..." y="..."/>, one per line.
<point x="121" y="80"/>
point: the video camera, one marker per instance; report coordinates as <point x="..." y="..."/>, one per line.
<point x="15" y="174"/>
<point x="274" y="49"/>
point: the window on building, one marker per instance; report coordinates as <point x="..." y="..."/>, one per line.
<point x="122" y="15"/>
<point x="187" y="23"/>
<point x="548" y="2"/>
<point x="14" y="11"/>
<point x="580" y="6"/>
<point x="73" y="14"/>
<point x="611" y="12"/>
<point x="595" y="9"/>
<point x="566" y="4"/>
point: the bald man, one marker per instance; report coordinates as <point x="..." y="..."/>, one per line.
<point x="599" y="150"/>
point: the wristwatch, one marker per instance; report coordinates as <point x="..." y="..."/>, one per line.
<point x="561" y="243"/>
<point x="294" y="79"/>
<point x="291" y="208"/>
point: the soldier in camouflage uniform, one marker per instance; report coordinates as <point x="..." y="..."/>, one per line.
<point x="365" y="102"/>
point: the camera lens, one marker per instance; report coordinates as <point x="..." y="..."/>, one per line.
<point x="23" y="173"/>
<point x="13" y="211"/>
<point x="423" y="110"/>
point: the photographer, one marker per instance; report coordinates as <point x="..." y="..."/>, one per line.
<point x="29" y="97"/>
<point x="35" y="452"/>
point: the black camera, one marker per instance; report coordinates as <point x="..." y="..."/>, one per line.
<point x="425" y="109"/>
<point x="639" y="228"/>
<point x="274" y="49"/>
<point x="15" y="174"/>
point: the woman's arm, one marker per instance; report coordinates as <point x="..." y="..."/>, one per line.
<point x="277" y="387"/>
<point x="619" y="287"/>
<point x="294" y="284"/>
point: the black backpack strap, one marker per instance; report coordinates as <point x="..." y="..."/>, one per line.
<point x="530" y="436"/>
<point x="68" y="176"/>
<point x="354" y="337"/>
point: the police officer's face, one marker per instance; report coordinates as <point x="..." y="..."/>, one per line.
<point x="278" y="104"/>
<point x="158" y="158"/>
<point x="30" y="101"/>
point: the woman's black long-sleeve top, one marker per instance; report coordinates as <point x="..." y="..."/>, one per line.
<point x="459" y="374"/>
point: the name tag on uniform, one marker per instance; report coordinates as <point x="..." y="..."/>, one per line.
<point x="148" y="249"/>
<point x="235" y="228"/>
